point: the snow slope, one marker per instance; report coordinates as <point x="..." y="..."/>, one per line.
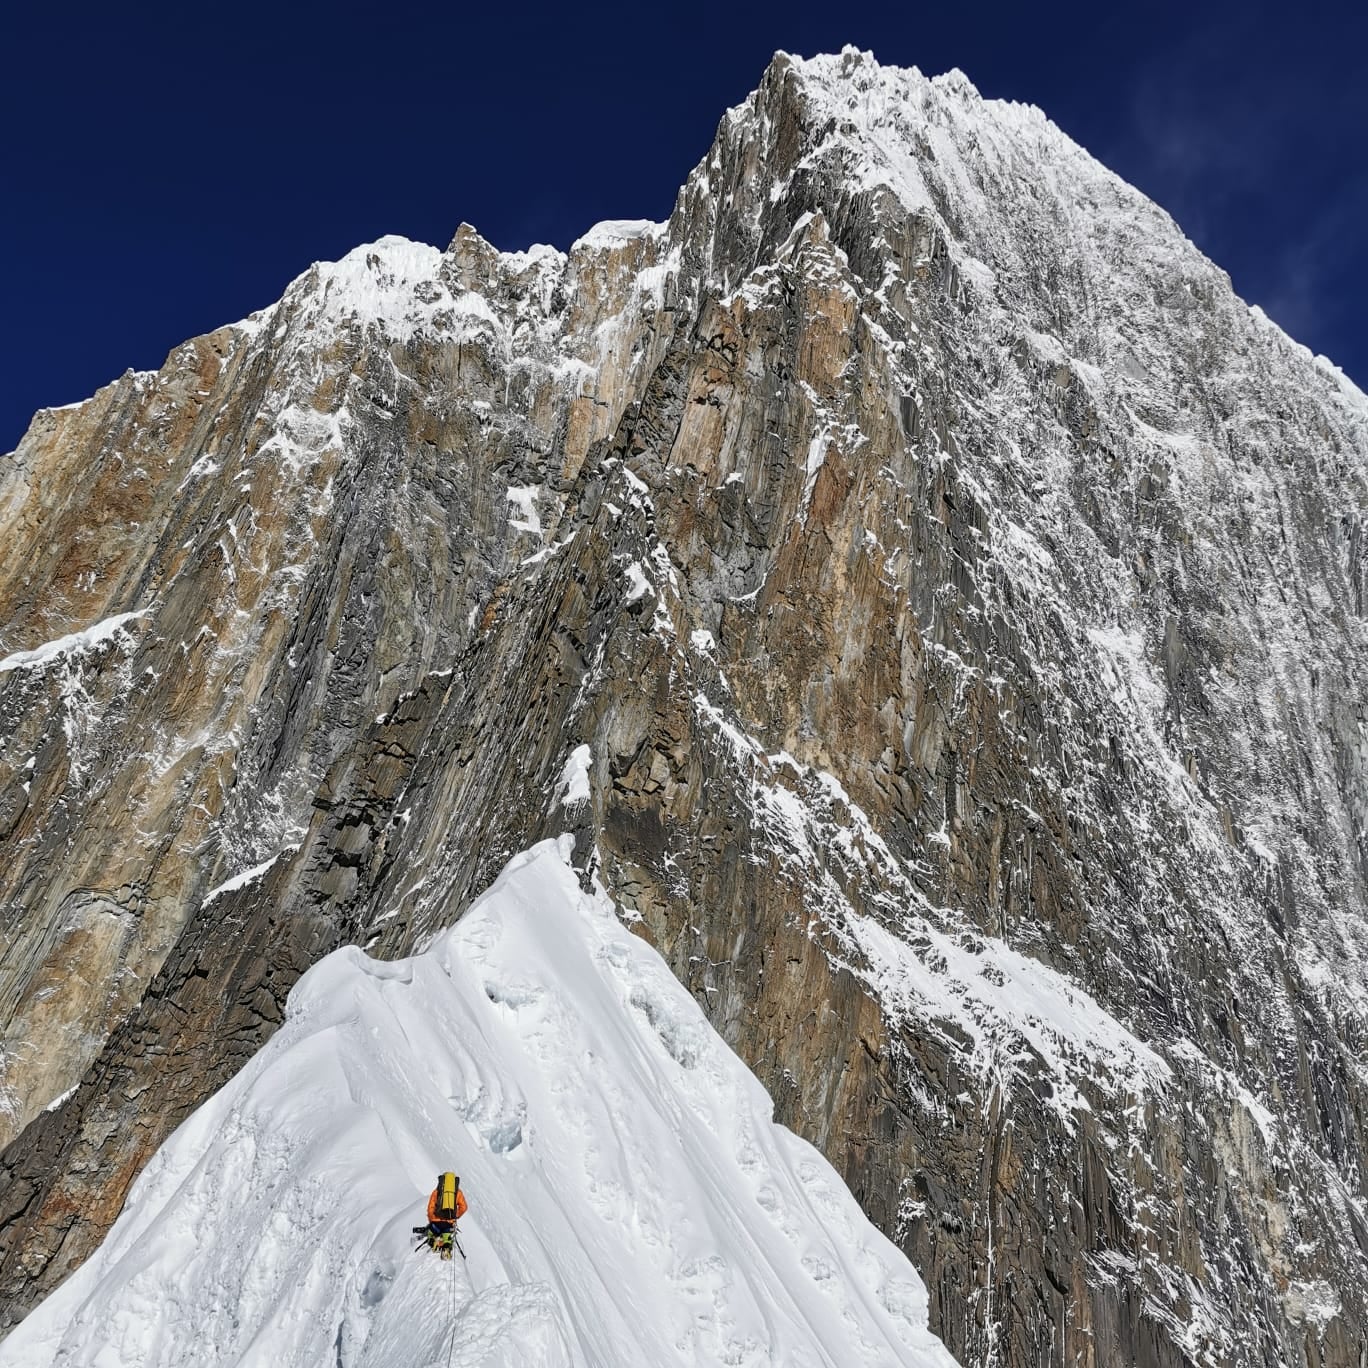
<point x="632" y="1201"/>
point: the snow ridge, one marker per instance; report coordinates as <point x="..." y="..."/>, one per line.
<point x="632" y="1200"/>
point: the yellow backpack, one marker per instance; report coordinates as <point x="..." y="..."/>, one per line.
<point x="447" y="1187"/>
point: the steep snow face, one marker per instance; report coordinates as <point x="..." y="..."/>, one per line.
<point x="632" y="1201"/>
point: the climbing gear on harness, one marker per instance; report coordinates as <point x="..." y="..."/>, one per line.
<point x="441" y="1242"/>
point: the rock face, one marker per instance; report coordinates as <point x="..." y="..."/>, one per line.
<point x="932" y="598"/>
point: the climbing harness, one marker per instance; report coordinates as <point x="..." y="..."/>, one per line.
<point x="429" y="1241"/>
<point x="440" y="1243"/>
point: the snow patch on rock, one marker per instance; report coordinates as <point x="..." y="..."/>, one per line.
<point x="573" y="789"/>
<point x="74" y="643"/>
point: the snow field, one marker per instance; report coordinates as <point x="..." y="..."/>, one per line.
<point x="631" y="1200"/>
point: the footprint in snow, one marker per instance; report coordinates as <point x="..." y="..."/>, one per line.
<point x="510" y="1325"/>
<point x="512" y="995"/>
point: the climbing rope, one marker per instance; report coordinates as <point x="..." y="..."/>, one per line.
<point x="427" y="1243"/>
<point x="451" y="1348"/>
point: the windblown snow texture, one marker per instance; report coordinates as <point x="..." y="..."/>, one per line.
<point x="632" y="1200"/>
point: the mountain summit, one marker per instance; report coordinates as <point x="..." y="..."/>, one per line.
<point x="931" y="600"/>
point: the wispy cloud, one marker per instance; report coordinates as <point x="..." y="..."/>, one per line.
<point x="1311" y="289"/>
<point x="1240" y="133"/>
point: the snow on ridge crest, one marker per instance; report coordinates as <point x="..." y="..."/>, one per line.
<point x="402" y="289"/>
<point x="392" y="282"/>
<point x="859" y="66"/>
<point x="73" y="643"/>
<point x="614" y="233"/>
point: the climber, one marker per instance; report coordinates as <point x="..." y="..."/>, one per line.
<point x="447" y="1204"/>
<point x="445" y="1207"/>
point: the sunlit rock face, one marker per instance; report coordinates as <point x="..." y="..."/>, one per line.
<point x="959" y="593"/>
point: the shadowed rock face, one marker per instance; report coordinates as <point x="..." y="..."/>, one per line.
<point x="960" y="594"/>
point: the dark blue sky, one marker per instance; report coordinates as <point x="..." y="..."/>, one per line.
<point x="166" y="169"/>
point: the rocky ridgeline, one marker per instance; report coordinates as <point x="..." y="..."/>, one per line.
<point x="959" y="593"/>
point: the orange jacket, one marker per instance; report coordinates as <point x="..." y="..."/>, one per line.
<point x="460" y="1205"/>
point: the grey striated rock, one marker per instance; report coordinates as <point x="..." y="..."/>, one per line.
<point x="959" y="593"/>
